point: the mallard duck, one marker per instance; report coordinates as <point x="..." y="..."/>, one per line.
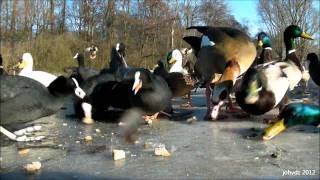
<point x="24" y="99"/>
<point x="145" y="91"/>
<point x="292" y="115"/>
<point x="266" y="53"/>
<point x="26" y="66"/>
<point x="264" y="87"/>
<point x="314" y="67"/>
<point x="220" y="50"/>
<point x="179" y="79"/>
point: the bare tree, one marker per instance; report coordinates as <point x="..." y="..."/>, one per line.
<point x="278" y="14"/>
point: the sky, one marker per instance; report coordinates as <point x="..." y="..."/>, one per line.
<point x="246" y="10"/>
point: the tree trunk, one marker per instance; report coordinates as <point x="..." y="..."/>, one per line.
<point x="13" y="25"/>
<point x="51" y="16"/>
<point x="63" y="18"/>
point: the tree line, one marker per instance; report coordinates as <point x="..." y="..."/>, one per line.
<point x="53" y="30"/>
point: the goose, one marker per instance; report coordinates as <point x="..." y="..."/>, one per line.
<point x="220" y="50"/>
<point x="82" y="73"/>
<point x="117" y="57"/>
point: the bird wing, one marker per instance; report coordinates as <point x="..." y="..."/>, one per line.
<point x="12" y="86"/>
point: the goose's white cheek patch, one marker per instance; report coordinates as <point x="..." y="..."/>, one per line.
<point x="205" y="41"/>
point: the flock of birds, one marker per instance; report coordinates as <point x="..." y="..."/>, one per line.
<point x="224" y="56"/>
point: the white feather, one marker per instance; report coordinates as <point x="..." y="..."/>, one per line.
<point x="177" y="66"/>
<point x="271" y="77"/>
<point x="40" y="76"/>
<point x="118" y="46"/>
<point x="76" y="56"/>
<point x="293" y="74"/>
<point x="205" y="41"/>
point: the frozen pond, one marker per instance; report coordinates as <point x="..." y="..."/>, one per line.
<point x="227" y="148"/>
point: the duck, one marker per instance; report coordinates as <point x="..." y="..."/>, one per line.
<point x="147" y="92"/>
<point x="161" y="68"/>
<point x="24" y="99"/>
<point x="114" y="73"/>
<point x="26" y="66"/>
<point x="314" y="67"/>
<point x="223" y="51"/>
<point x="174" y="59"/>
<point x="179" y="80"/>
<point x="93" y="51"/>
<point x="2" y="71"/>
<point x="265" y="86"/>
<point x="107" y="74"/>
<point x="293" y="114"/>
<point x="117" y="59"/>
<point x="264" y="42"/>
<point x="82" y="73"/>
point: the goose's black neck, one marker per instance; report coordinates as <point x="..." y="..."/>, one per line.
<point x="80" y="59"/>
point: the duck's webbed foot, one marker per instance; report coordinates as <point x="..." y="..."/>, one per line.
<point x="22" y="134"/>
<point x="231" y="108"/>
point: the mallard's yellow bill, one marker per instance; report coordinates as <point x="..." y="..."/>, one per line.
<point x="306" y="36"/>
<point x="260" y="43"/>
<point x="274" y="130"/>
<point x="172" y="60"/>
<point x="21" y="65"/>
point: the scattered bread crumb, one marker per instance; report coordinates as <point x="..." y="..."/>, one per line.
<point x="33" y="167"/>
<point x="23" y="152"/>
<point x="118" y="154"/>
<point x="161" y="151"/>
<point x="88" y="138"/>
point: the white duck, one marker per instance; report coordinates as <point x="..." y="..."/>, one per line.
<point x="26" y="65"/>
<point x="175" y="58"/>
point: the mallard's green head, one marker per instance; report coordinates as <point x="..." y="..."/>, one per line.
<point x="174" y="56"/>
<point x="263" y="40"/>
<point x="292" y="32"/>
<point x="163" y="64"/>
<point x="294" y="114"/>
